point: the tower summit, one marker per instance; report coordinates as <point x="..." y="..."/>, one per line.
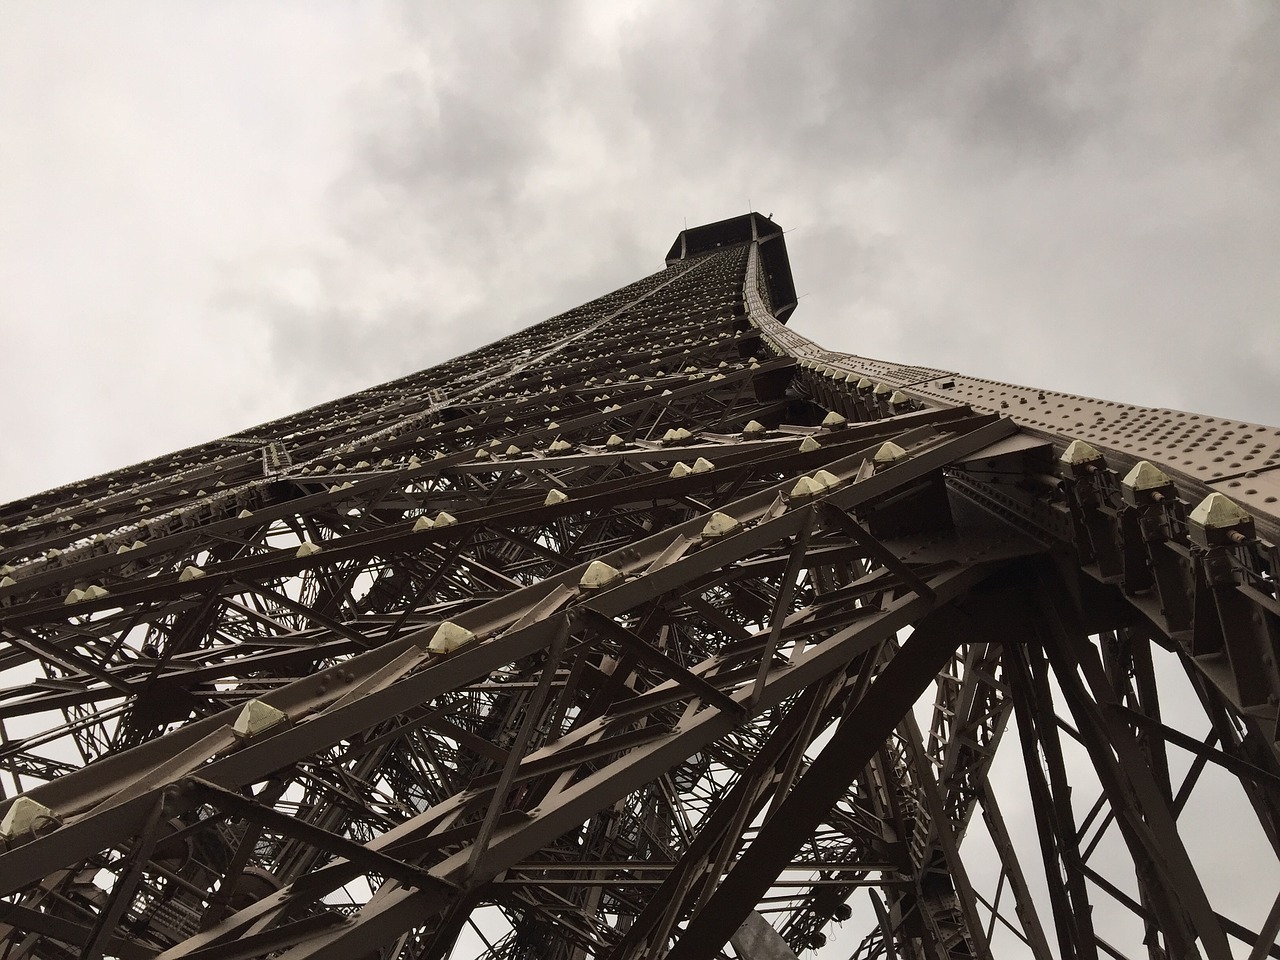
<point x="653" y="630"/>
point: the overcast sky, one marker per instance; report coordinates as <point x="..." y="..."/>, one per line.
<point x="213" y="214"/>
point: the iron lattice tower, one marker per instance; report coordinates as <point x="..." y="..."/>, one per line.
<point x="611" y="632"/>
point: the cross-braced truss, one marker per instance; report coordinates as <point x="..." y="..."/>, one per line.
<point x="653" y="630"/>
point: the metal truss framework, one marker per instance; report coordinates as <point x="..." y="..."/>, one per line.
<point x="610" y="639"/>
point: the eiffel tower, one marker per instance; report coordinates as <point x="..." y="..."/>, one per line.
<point x="653" y="630"/>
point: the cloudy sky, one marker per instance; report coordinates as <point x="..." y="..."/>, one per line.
<point x="214" y="214"/>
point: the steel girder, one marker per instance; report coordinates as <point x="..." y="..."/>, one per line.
<point x="607" y="640"/>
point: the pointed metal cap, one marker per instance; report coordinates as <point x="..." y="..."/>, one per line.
<point x="554" y="497"/>
<point x="808" y="445"/>
<point x="190" y="572"/>
<point x="1078" y="452"/>
<point x="599" y="576"/>
<point x="257" y="717"/>
<point x="702" y="465"/>
<point x="448" y="637"/>
<point x="1080" y="459"/>
<point x="826" y="480"/>
<point x="23" y="817"/>
<point x="1145" y="476"/>
<point x="1217" y="511"/>
<point x="754" y="428"/>
<point x="720" y="525"/>
<point x="444" y="519"/>
<point x="422" y="523"/>
<point x="834" y="419"/>
<point x="1215" y="519"/>
<point x="614" y="441"/>
<point x="888" y="453"/>
<point x="804" y="488"/>
<point x="308" y="549"/>
<point x="680" y="470"/>
<point x="1143" y="482"/>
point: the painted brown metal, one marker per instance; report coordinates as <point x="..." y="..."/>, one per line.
<point x="678" y="546"/>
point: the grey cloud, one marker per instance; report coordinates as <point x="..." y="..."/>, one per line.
<point x="859" y="83"/>
<point x="438" y="227"/>
<point x="447" y="139"/>
<point x="1017" y="147"/>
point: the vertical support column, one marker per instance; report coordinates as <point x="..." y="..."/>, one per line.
<point x="1050" y="800"/>
<point x="1165" y="871"/>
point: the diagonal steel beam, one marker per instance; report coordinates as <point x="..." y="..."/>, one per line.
<point x="855" y="741"/>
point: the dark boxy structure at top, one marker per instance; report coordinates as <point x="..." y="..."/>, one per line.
<point x="608" y="640"/>
<point x="751" y="228"/>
